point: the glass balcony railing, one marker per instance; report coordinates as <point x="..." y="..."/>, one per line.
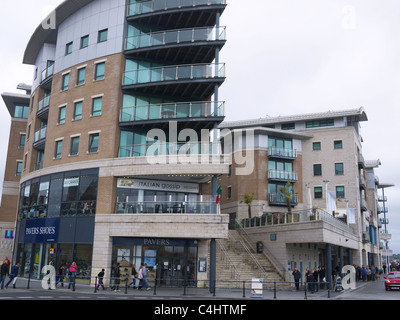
<point x="169" y="149"/>
<point x="162" y="5"/>
<point x="46" y="73"/>
<point x="166" y="207"/>
<point x="282" y="175"/>
<point x="172" y="111"/>
<point x="40" y="134"/>
<point x="174" y="37"/>
<point x="282" y="153"/>
<point x="44" y="103"/>
<point x="277" y="199"/>
<point x="174" y="73"/>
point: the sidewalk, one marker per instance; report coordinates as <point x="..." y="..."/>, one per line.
<point x="188" y="293"/>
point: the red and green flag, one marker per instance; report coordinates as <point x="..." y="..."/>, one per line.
<point x="219" y="192"/>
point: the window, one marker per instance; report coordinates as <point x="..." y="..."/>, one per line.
<point x="96" y="107"/>
<point x="94" y="143"/>
<point x="19" y="169"/>
<point x="229" y="192"/>
<point x="316" y="146"/>
<point x="21" y="112"/>
<point x="74" y="146"/>
<point x="58" y="152"/>
<point x="25" y="160"/>
<point x="81" y="77"/>
<point x="78" y="110"/>
<point x="317" y="169"/>
<point x="65" y="82"/>
<point x="340" y="192"/>
<point x="288" y="126"/>
<point x="339" y="169"/>
<point x="39" y="160"/>
<point x="84" y="42"/>
<point x="103" y="34"/>
<point x="61" y="115"/>
<point x="338" y="144"/>
<point x="22" y="140"/>
<point x="320" y="123"/>
<point x="100" y="70"/>
<point x="317" y="192"/>
<point x="68" y="48"/>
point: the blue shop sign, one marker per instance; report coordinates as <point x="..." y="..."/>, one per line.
<point x="42" y="230"/>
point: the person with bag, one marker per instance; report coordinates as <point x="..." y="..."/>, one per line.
<point x="100" y="278"/>
<point x="13" y="275"/>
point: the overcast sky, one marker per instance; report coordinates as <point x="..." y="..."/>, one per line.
<point x="283" y="57"/>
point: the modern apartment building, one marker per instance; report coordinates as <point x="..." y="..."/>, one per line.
<point x="18" y="107"/>
<point x="120" y="133"/>
<point x="313" y="196"/>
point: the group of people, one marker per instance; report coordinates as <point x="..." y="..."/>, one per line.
<point x="12" y="274"/>
<point x="139" y="278"/>
<point x="315" y="278"/>
<point x="70" y="270"/>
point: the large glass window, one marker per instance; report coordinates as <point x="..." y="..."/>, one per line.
<point x="67" y="193"/>
<point x="21" y="112"/>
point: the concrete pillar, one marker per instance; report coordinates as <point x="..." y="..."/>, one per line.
<point x="341" y="263"/>
<point x="329" y="265"/>
<point x="350" y="257"/>
<point x="213" y="264"/>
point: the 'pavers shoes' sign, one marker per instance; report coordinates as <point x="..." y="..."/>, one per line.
<point x="41" y="230"/>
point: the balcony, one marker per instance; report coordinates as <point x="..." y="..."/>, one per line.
<point x="43" y="107"/>
<point x="275" y="199"/>
<point x="47" y="77"/>
<point x="40" y="139"/>
<point x="382" y="209"/>
<point x="184" y="45"/>
<point x="285" y="176"/>
<point x="282" y="153"/>
<point x="196" y="81"/>
<point x="382" y="198"/>
<point x="165" y="112"/>
<point x="362" y="183"/>
<point x="176" y="13"/>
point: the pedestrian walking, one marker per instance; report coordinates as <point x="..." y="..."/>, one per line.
<point x="140" y="277"/>
<point x="100" y="277"/>
<point x="72" y="274"/>
<point x="4" y="272"/>
<point x="116" y="275"/>
<point x="296" y="274"/>
<point x="322" y="274"/>
<point x="60" y="276"/>
<point x="13" y="275"/>
<point x="144" y="272"/>
<point x="134" y="275"/>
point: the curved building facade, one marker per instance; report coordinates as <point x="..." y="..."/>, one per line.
<point x="121" y="161"/>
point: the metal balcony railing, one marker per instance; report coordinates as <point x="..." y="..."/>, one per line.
<point x="282" y="175"/>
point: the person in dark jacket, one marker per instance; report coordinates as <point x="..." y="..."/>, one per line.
<point x="13" y="275"/>
<point x="116" y="276"/>
<point x="100" y="277"/>
<point x="296" y="274"/>
<point x="4" y="271"/>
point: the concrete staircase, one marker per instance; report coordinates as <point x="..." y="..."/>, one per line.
<point x="237" y="262"/>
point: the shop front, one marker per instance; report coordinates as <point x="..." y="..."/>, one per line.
<point x="170" y="262"/>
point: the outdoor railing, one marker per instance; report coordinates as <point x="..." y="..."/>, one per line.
<point x="294" y="217"/>
<point x="157" y="5"/>
<point x="175" y="37"/>
<point x="174" y="73"/>
<point x="177" y="110"/>
<point x="166" y="207"/>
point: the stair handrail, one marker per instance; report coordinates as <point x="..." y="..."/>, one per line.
<point x="260" y="267"/>
<point x="231" y="265"/>
<point x="277" y="265"/>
